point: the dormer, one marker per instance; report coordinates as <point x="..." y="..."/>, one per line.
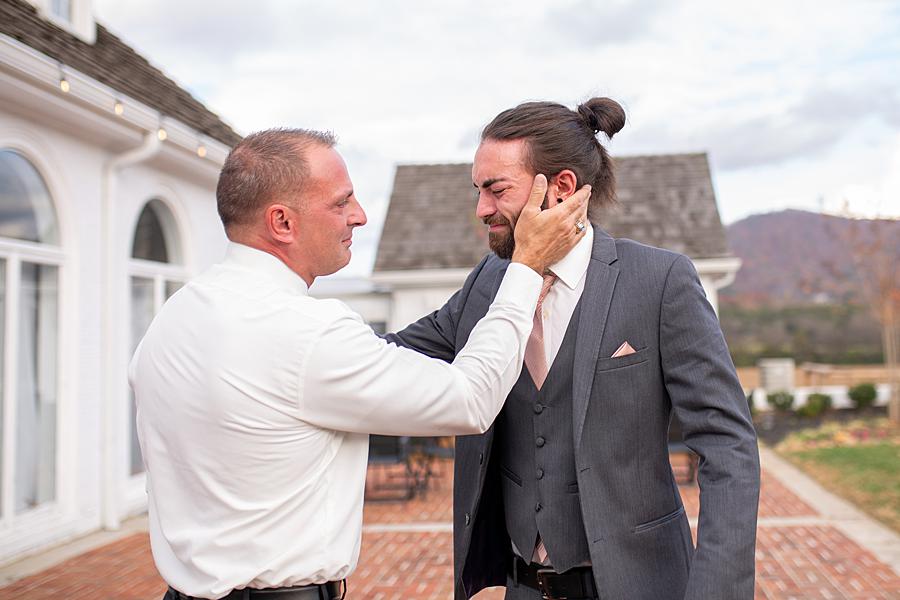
<point x="75" y="16"/>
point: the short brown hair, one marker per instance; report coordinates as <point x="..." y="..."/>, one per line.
<point x="558" y="138"/>
<point x="264" y="167"/>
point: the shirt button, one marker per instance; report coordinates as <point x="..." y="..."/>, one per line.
<point x="538" y="507"/>
<point x="468" y="518"/>
<point x="538" y="408"/>
<point x="540" y="473"/>
<point x="539" y="442"/>
<point x="546" y="313"/>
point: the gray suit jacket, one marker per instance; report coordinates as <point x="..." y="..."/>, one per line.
<point x="639" y="537"/>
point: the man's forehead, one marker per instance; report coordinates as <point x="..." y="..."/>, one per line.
<point x="327" y="168"/>
<point x="498" y="160"/>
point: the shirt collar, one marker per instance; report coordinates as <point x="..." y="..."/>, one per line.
<point x="265" y="264"/>
<point x="574" y="265"/>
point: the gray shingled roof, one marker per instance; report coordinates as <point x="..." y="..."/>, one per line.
<point x="666" y="201"/>
<point x="113" y="63"/>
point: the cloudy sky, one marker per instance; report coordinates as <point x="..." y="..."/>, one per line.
<point x="797" y="103"/>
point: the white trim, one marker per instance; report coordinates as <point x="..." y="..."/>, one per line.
<point x="132" y="492"/>
<point x="40" y="253"/>
<point x="115" y="338"/>
<point x="41" y="156"/>
<point x="10" y="369"/>
<point x="175" y="225"/>
<point x="420" y="278"/>
<point x="27" y="65"/>
<point x="726" y="268"/>
<point x="150" y="269"/>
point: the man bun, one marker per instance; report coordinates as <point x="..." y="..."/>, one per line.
<point x="603" y="114"/>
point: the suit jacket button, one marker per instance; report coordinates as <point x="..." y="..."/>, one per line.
<point x="468" y="518"/>
<point x="538" y="408"/>
<point x="538" y="507"/>
<point x="540" y="473"/>
<point x="481" y="458"/>
<point x="539" y="442"/>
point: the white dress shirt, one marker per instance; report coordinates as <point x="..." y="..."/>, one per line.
<point x="563" y="296"/>
<point x="254" y="401"/>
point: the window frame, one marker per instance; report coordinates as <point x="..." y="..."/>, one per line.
<point x="175" y="271"/>
<point x="14" y="252"/>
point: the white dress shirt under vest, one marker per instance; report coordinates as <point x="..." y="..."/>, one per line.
<point x="254" y="401"/>
<point x="561" y="300"/>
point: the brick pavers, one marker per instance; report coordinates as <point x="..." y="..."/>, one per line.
<point x="122" y="570"/>
<point x="774" y="500"/>
<point x="407" y="553"/>
<point x="818" y="562"/>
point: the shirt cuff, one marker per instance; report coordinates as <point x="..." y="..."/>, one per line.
<point x="520" y="287"/>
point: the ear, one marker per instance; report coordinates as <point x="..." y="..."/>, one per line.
<point x="563" y="184"/>
<point x="281" y="223"/>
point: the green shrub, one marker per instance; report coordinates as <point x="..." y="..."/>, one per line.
<point x="780" y="401"/>
<point x="863" y="395"/>
<point x="816" y="404"/>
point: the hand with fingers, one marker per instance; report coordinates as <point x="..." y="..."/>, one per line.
<point x="543" y="237"/>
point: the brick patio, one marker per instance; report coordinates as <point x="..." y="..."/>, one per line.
<point x="799" y="555"/>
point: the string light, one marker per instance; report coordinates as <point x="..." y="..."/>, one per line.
<point x="161" y="134"/>
<point x="201" y="151"/>
<point x="119" y="108"/>
<point x="63" y="82"/>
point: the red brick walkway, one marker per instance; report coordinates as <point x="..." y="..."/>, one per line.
<point x="814" y="561"/>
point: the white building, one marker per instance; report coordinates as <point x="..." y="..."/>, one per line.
<point x="107" y="204"/>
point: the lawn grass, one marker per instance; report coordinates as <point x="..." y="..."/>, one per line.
<point x="868" y="475"/>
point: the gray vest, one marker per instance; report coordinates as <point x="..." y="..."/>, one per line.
<point x="535" y="446"/>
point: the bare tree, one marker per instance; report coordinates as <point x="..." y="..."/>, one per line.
<point x="873" y="246"/>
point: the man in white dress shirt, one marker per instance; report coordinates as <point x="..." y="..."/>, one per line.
<point x="255" y="401"/>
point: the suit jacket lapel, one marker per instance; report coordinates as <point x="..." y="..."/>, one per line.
<point x="595" y="301"/>
<point x="495" y="287"/>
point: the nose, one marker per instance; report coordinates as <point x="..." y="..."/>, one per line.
<point x="486" y="207"/>
<point x="357" y="216"/>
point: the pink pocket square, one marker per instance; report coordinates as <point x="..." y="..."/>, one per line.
<point x="624" y="350"/>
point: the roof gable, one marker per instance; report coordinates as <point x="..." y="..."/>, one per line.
<point x="664" y="200"/>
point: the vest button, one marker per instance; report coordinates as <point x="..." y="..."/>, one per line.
<point x="468" y="518"/>
<point x="540" y="473"/>
<point x="538" y="507"/>
<point x="539" y="442"/>
<point x="538" y="408"/>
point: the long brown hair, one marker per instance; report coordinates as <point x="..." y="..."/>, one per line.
<point x="559" y="138"/>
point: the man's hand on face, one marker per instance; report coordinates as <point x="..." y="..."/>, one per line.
<point x="543" y="237"/>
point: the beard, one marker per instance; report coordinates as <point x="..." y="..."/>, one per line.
<point x="502" y="244"/>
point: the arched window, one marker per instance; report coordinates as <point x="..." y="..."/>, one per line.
<point x="156" y="272"/>
<point x="30" y="261"/>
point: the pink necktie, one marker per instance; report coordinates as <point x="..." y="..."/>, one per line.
<point x="535" y="355"/>
<point x="540" y="552"/>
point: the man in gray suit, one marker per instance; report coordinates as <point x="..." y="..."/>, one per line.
<point x="570" y="494"/>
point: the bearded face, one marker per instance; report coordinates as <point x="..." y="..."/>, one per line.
<point x="502" y="242"/>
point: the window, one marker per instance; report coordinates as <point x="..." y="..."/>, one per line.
<point x="61" y="9"/>
<point x="30" y="260"/>
<point x="156" y="273"/>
